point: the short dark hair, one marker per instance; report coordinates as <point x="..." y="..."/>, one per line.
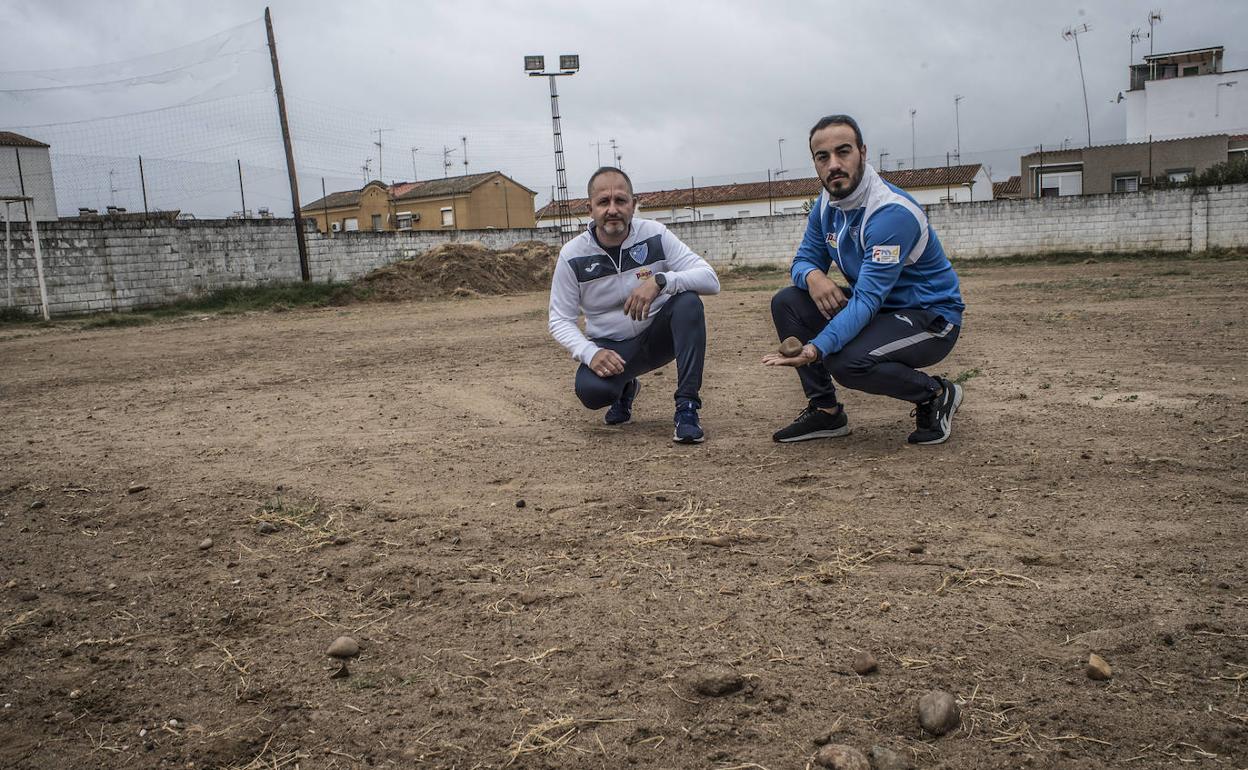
<point x="837" y="120"/>
<point x="589" y="187"/>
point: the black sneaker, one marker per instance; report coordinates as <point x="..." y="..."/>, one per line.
<point x="687" y="430"/>
<point x="813" y="422"/>
<point x="622" y="410"/>
<point x="934" y="418"/>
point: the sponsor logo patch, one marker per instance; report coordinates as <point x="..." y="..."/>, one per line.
<point x="831" y="239"/>
<point x="886" y="255"/>
<point x="643" y="274"/>
<point x="639" y="252"/>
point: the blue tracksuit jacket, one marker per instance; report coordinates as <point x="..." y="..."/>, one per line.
<point x="881" y="241"/>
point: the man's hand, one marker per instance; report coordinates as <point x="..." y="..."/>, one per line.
<point x="809" y="355"/>
<point x="638" y="303"/>
<point x="606" y="363"/>
<point x="826" y="294"/>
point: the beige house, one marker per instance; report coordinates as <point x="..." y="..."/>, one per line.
<point x="470" y="202"/>
<point x="1128" y="167"/>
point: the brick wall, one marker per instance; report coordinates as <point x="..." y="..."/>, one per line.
<point x="120" y="265"/>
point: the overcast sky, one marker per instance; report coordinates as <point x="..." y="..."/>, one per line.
<point x="703" y="89"/>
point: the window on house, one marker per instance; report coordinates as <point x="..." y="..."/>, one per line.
<point x="1178" y="175"/>
<point x="1126" y="183"/>
<point x="351" y="224"/>
<point x="376" y="222"/>
<point x="792" y="210"/>
<point x="1193" y="70"/>
<point x="1053" y="183"/>
<point x="404" y="220"/>
<point x="708" y="216"/>
<point x="448" y="218"/>
<point x="743" y="213"/>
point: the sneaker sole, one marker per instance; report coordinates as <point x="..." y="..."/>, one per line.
<point x="957" y="403"/>
<point x="836" y="433"/>
<point x="678" y="440"/>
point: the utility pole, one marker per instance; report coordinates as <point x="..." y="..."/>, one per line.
<point x="143" y="184"/>
<point x="414" y="149"/>
<point x="464" y="139"/>
<point x="446" y="160"/>
<point x="615" y="154"/>
<point x="305" y="270"/>
<point x="242" y="195"/>
<point x="957" y="122"/>
<point x="1073" y="33"/>
<point x="598" y="144"/>
<point x="780" y="146"/>
<point x="912" y="156"/>
<point x="883" y="155"/>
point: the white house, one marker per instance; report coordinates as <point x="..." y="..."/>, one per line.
<point x="942" y="184"/>
<point x="1185" y="93"/>
<point x="25" y="165"/>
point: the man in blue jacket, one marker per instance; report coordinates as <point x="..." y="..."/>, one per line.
<point x="902" y="310"/>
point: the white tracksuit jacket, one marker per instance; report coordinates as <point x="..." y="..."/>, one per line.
<point x="587" y="279"/>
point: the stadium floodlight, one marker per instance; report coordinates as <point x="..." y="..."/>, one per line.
<point x="569" y="62"/>
<point x="568" y="66"/>
<point x="534" y="63"/>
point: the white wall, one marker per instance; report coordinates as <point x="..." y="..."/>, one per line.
<point x="1189" y="106"/>
<point x="37" y="175"/>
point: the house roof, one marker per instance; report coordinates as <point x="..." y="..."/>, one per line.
<point x="1011" y="186"/>
<point x="807" y="187"/>
<point x="1231" y="139"/>
<point x="10" y="139"/>
<point x="430" y="188"/>
<point x="937" y="176"/>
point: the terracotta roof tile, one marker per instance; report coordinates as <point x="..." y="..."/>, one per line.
<point x="10" y="139"/>
<point x="807" y="187"/>
<point x="1011" y="186"/>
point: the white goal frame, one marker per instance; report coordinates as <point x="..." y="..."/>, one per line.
<point x="28" y="209"/>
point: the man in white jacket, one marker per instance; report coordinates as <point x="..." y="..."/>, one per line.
<point x="638" y="286"/>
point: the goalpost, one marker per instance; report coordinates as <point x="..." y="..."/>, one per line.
<point x="27" y="209"/>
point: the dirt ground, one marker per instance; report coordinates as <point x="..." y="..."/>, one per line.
<point x="534" y="589"/>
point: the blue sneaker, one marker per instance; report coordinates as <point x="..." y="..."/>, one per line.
<point x="622" y="410"/>
<point x="688" y="431"/>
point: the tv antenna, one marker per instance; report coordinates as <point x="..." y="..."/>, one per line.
<point x="1073" y="33"/>
<point x="1154" y="18"/>
<point x="464" y="139"/>
<point x="377" y="144"/>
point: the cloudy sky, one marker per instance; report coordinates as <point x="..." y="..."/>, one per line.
<point x="701" y="89"/>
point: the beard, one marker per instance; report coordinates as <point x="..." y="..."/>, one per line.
<point x="847" y="183"/>
<point x="615" y="226"/>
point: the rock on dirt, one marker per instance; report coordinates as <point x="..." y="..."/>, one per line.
<point x="715" y="681"/>
<point x="939" y="712"/>
<point x="267" y="528"/>
<point x="883" y="758"/>
<point x="205" y="544"/>
<point x="343" y="647"/>
<point x="838" y="756"/>
<point x="1097" y="668"/>
<point x="134" y="489"/>
<point x="865" y="663"/>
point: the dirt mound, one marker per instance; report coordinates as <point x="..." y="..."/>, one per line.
<point x="464" y="269"/>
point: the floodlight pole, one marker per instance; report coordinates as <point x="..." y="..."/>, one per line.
<point x="913" y="164"/>
<point x="957" y="122"/>
<point x="561" y="174"/>
<point x="304" y="270"/>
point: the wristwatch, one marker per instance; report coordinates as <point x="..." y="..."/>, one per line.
<point x="661" y="280"/>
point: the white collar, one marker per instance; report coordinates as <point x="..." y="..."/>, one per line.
<point x="858" y="197"/>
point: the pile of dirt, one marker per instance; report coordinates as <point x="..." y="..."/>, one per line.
<point x="467" y="269"/>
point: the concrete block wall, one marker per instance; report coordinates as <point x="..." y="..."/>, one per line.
<point x="117" y="265"/>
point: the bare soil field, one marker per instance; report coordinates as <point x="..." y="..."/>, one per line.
<point x="193" y="511"/>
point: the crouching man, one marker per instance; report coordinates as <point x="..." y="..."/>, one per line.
<point x="638" y="287"/>
<point x="901" y="312"/>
